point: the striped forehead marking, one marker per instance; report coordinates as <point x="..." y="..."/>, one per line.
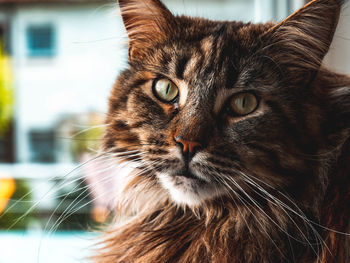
<point x="222" y="96"/>
<point x="183" y="87"/>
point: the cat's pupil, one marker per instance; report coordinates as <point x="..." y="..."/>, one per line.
<point x="243" y="102"/>
<point x="168" y="89"/>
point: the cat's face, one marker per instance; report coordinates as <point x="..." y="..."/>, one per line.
<point x="212" y="109"/>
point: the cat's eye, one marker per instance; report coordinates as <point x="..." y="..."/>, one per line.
<point x="243" y="103"/>
<point x="165" y="90"/>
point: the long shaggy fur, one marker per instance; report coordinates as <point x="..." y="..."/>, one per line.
<point x="280" y="175"/>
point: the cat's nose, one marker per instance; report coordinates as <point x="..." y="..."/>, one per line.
<point x="189" y="148"/>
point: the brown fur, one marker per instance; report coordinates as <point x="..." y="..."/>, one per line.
<point x="284" y="167"/>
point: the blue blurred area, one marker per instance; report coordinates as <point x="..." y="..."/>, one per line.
<point x="67" y="247"/>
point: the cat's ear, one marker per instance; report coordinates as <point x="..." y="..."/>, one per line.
<point x="299" y="43"/>
<point x="146" y="22"/>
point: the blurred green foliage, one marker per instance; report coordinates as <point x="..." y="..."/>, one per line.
<point x="18" y="213"/>
<point x="6" y="92"/>
<point x="88" y="140"/>
<point x="73" y="209"/>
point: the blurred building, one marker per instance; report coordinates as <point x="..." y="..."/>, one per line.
<point x="65" y="56"/>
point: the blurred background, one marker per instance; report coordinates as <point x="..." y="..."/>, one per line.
<point x="58" y="62"/>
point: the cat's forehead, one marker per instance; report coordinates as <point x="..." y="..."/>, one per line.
<point x="210" y="59"/>
<point x="205" y="51"/>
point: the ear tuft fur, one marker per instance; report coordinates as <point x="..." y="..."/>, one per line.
<point x="147" y="22"/>
<point x="299" y="43"/>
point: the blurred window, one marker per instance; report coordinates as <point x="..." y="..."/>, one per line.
<point x="42" y="146"/>
<point x="7" y="146"/>
<point x="40" y="40"/>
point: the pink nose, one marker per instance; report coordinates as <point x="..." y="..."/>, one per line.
<point x="187" y="146"/>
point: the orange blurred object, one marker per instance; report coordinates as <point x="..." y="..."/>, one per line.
<point x="7" y="188"/>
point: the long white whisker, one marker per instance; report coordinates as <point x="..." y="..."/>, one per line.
<point x="85" y="190"/>
<point x="262" y="210"/>
<point x="276" y="201"/>
<point x="66" y="213"/>
<point x="45" y="195"/>
<point x="244" y="202"/>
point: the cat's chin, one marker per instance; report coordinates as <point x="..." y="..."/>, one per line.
<point x="189" y="189"/>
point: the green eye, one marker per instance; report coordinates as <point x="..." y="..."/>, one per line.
<point x="243" y="103"/>
<point x="165" y="90"/>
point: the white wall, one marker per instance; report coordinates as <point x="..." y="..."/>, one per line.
<point x="78" y="78"/>
<point x="338" y="57"/>
<point x="239" y="10"/>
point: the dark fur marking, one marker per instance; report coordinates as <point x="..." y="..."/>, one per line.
<point x="158" y="151"/>
<point x="181" y="66"/>
<point x="120" y="125"/>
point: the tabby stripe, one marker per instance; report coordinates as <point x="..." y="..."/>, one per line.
<point x="213" y="169"/>
<point x="150" y="106"/>
<point x="222" y="163"/>
<point x="137" y="83"/>
<point x="120" y="125"/>
<point x="161" y="166"/>
<point x="228" y="155"/>
<point x="181" y="66"/>
<point x="200" y="58"/>
<point x="222" y="57"/>
<point x="165" y="61"/>
<point x="109" y="142"/>
<point x="213" y="55"/>
<point x="154" y="140"/>
<point x="158" y="151"/>
<point x="128" y="140"/>
<point x="121" y="150"/>
<point x="231" y="76"/>
<point x="137" y="125"/>
<point x="276" y="163"/>
<point x="155" y="159"/>
<point x="218" y="58"/>
<point x="307" y="143"/>
<point x="120" y="99"/>
<point x="311" y="146"/>
<point x="289" y="128"/>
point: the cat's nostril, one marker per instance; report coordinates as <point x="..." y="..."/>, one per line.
<point x="187" y="146"/>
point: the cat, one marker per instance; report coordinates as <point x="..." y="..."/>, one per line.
<point x="238" y="137"/>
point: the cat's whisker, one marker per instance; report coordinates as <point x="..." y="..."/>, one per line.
<point x="301" y="214"/>
<point x="253" y="201"/>
<point x="89" y="129"/>
<point x="67" y="182"/>
<point x="63" y="184"/>
<point x="84" y="191"/>
<point x="247" y="206"/>
<point x="281" y="204"/>
<point x="36" y="203"/>
<point x="222" y="180"/>
<point x="273" y="201"/>
<point x="71" y="209"/>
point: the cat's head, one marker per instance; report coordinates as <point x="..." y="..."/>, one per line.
<point x="212" y="109"/>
